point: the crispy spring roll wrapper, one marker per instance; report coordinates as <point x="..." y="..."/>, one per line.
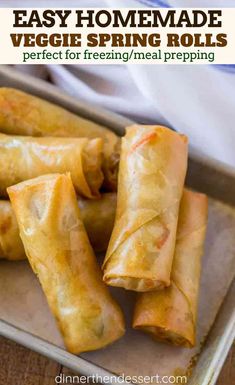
<point x="151" y="176"/>
<point x="170" y="315"/>
<point x="97" y="215"/>
<point x="60" y="254"/>
<point x="11" y="246"/>
<point x="25" y="114"/>
<point x="24" y="157"/>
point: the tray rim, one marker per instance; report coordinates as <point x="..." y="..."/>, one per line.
<point x="117" y="123"/>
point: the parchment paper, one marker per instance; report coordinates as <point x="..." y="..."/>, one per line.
<point x="23" y="304"/>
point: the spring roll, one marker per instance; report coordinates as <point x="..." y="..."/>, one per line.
<point x="59" y="252"/>
<point x="24" y="157"/>
<point x="25" y="114"/>
<point x="97" y="215"/>
<point x="151" y="177"/>
<point x="170" y="315"/>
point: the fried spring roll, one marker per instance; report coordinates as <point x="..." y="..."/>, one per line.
<point x="24" y="157"/>
<point x="151" y="177"/>
<point x="60" y="254"/>
<point x="97" y="215"/>
<point x="25" y="114"/>
<point x="170" y="315"/>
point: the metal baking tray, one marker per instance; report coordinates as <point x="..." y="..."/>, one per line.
<point x="204" y="174"/>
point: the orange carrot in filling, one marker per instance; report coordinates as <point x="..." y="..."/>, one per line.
<point x="145" y="139"/>
<point x="161" y="240"/>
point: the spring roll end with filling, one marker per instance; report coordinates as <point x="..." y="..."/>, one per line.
<point x="163" y="321"/>
<point x="25" y="157"/>
<point x="25" y="114"/>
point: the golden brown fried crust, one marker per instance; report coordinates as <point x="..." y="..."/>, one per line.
<point x="25" y="157"/>
<point x="11" y="247"/>
<point x="170" y="315"/>
<point x="25" y="114"/>
<point x="98" y="217"/>
<point x="60" y="254"/>
<point x="151" y="177"/>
